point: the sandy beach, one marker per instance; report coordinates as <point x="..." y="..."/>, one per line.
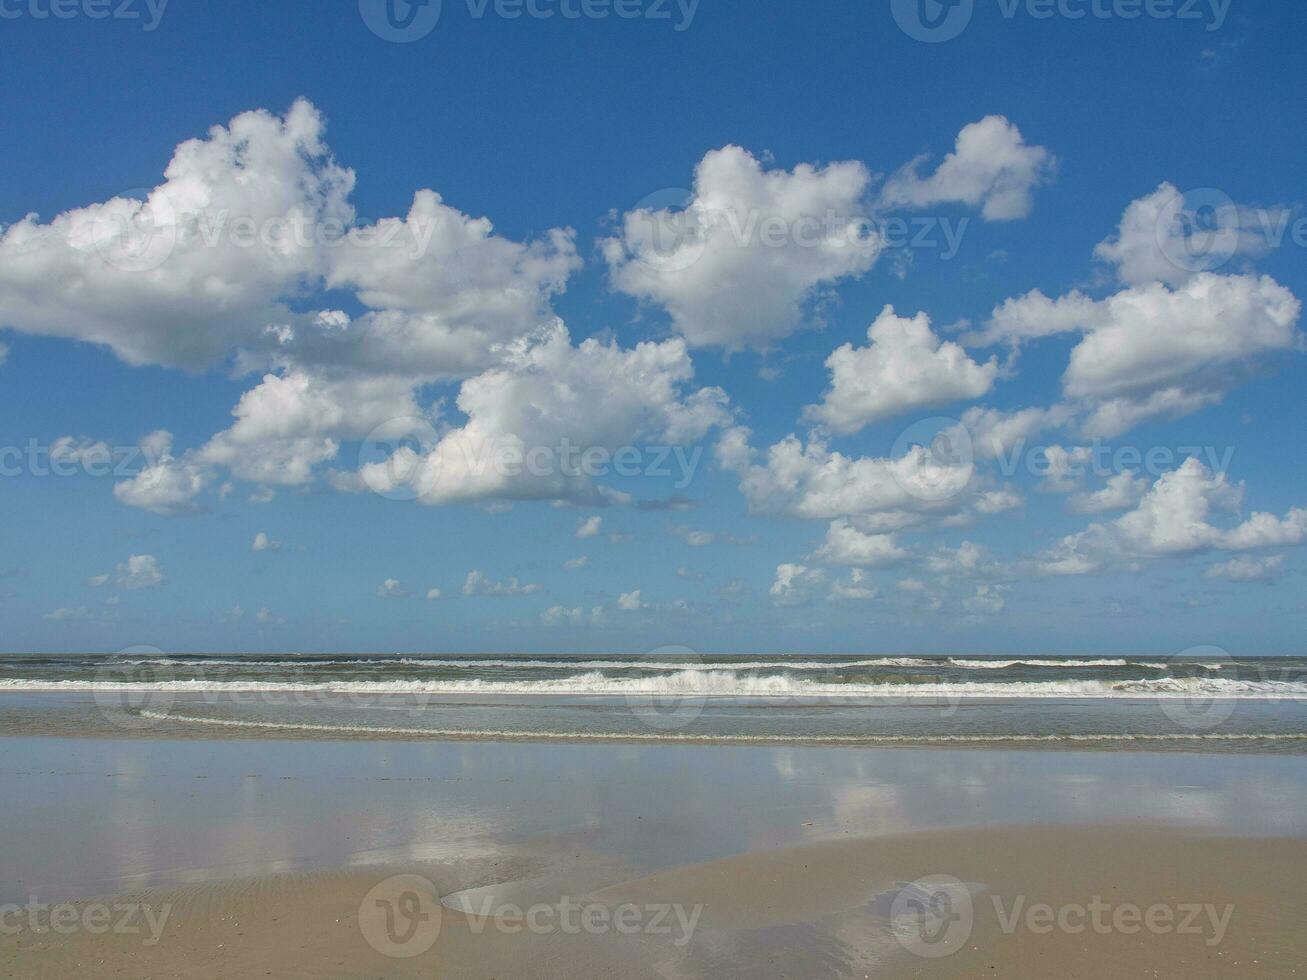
<point x="1033" y="902"/>
<point x="293" y="858"/>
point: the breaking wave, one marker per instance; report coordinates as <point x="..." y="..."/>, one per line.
<point x="1072" y="664"/>
<point x="710" y="683"/>
<point x="560" y="664"/>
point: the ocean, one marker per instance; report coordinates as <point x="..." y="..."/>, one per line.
<point x="1236" y="703"/>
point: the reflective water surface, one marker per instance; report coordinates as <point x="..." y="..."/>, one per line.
<point x="88" y="817"/>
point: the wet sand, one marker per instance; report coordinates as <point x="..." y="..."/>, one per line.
<point x="832" y="909"/>
<point x="295" y="858"/>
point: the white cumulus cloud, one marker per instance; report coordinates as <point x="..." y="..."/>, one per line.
<point x="391" y="588"/>
<point x="589" y="527"/>
<point x="166" y="484"/>
<point x="736" y="264"/>
<point x="1173" y="519"/>
<point x="264" y="543"/>
<point x="138" y="572"/>
<point x="1161" y="238"/>
<point x="846" y="545"/>
<point x="528" y="420"/>
<point x="795" y="584"/>
<point x="904" y="367"/>
<point x="1152" y="350"/>
<point x="1246" y="568"/>
<point x="991" y="167"/>
<point x="877" y="494"/>
<point x="478" y="584"/>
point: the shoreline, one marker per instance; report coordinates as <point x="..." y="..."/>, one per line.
<point x="1247" y="726"/>
<point x="190" y="729"/>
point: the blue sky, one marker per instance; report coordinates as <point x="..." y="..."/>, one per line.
<point x="1143" y="174"/>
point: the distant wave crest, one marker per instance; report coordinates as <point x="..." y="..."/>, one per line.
<point x="715" y="683"/>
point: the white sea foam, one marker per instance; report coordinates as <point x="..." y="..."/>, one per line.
<point x="1000" y="664"/>
<point x="572" y="664"/>
<point x="713" y="684"/>
<point x="644" y="736"/>
<point x="477" y="663"/>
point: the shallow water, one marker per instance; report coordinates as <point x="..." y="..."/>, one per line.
<point x="87" y="817"/>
